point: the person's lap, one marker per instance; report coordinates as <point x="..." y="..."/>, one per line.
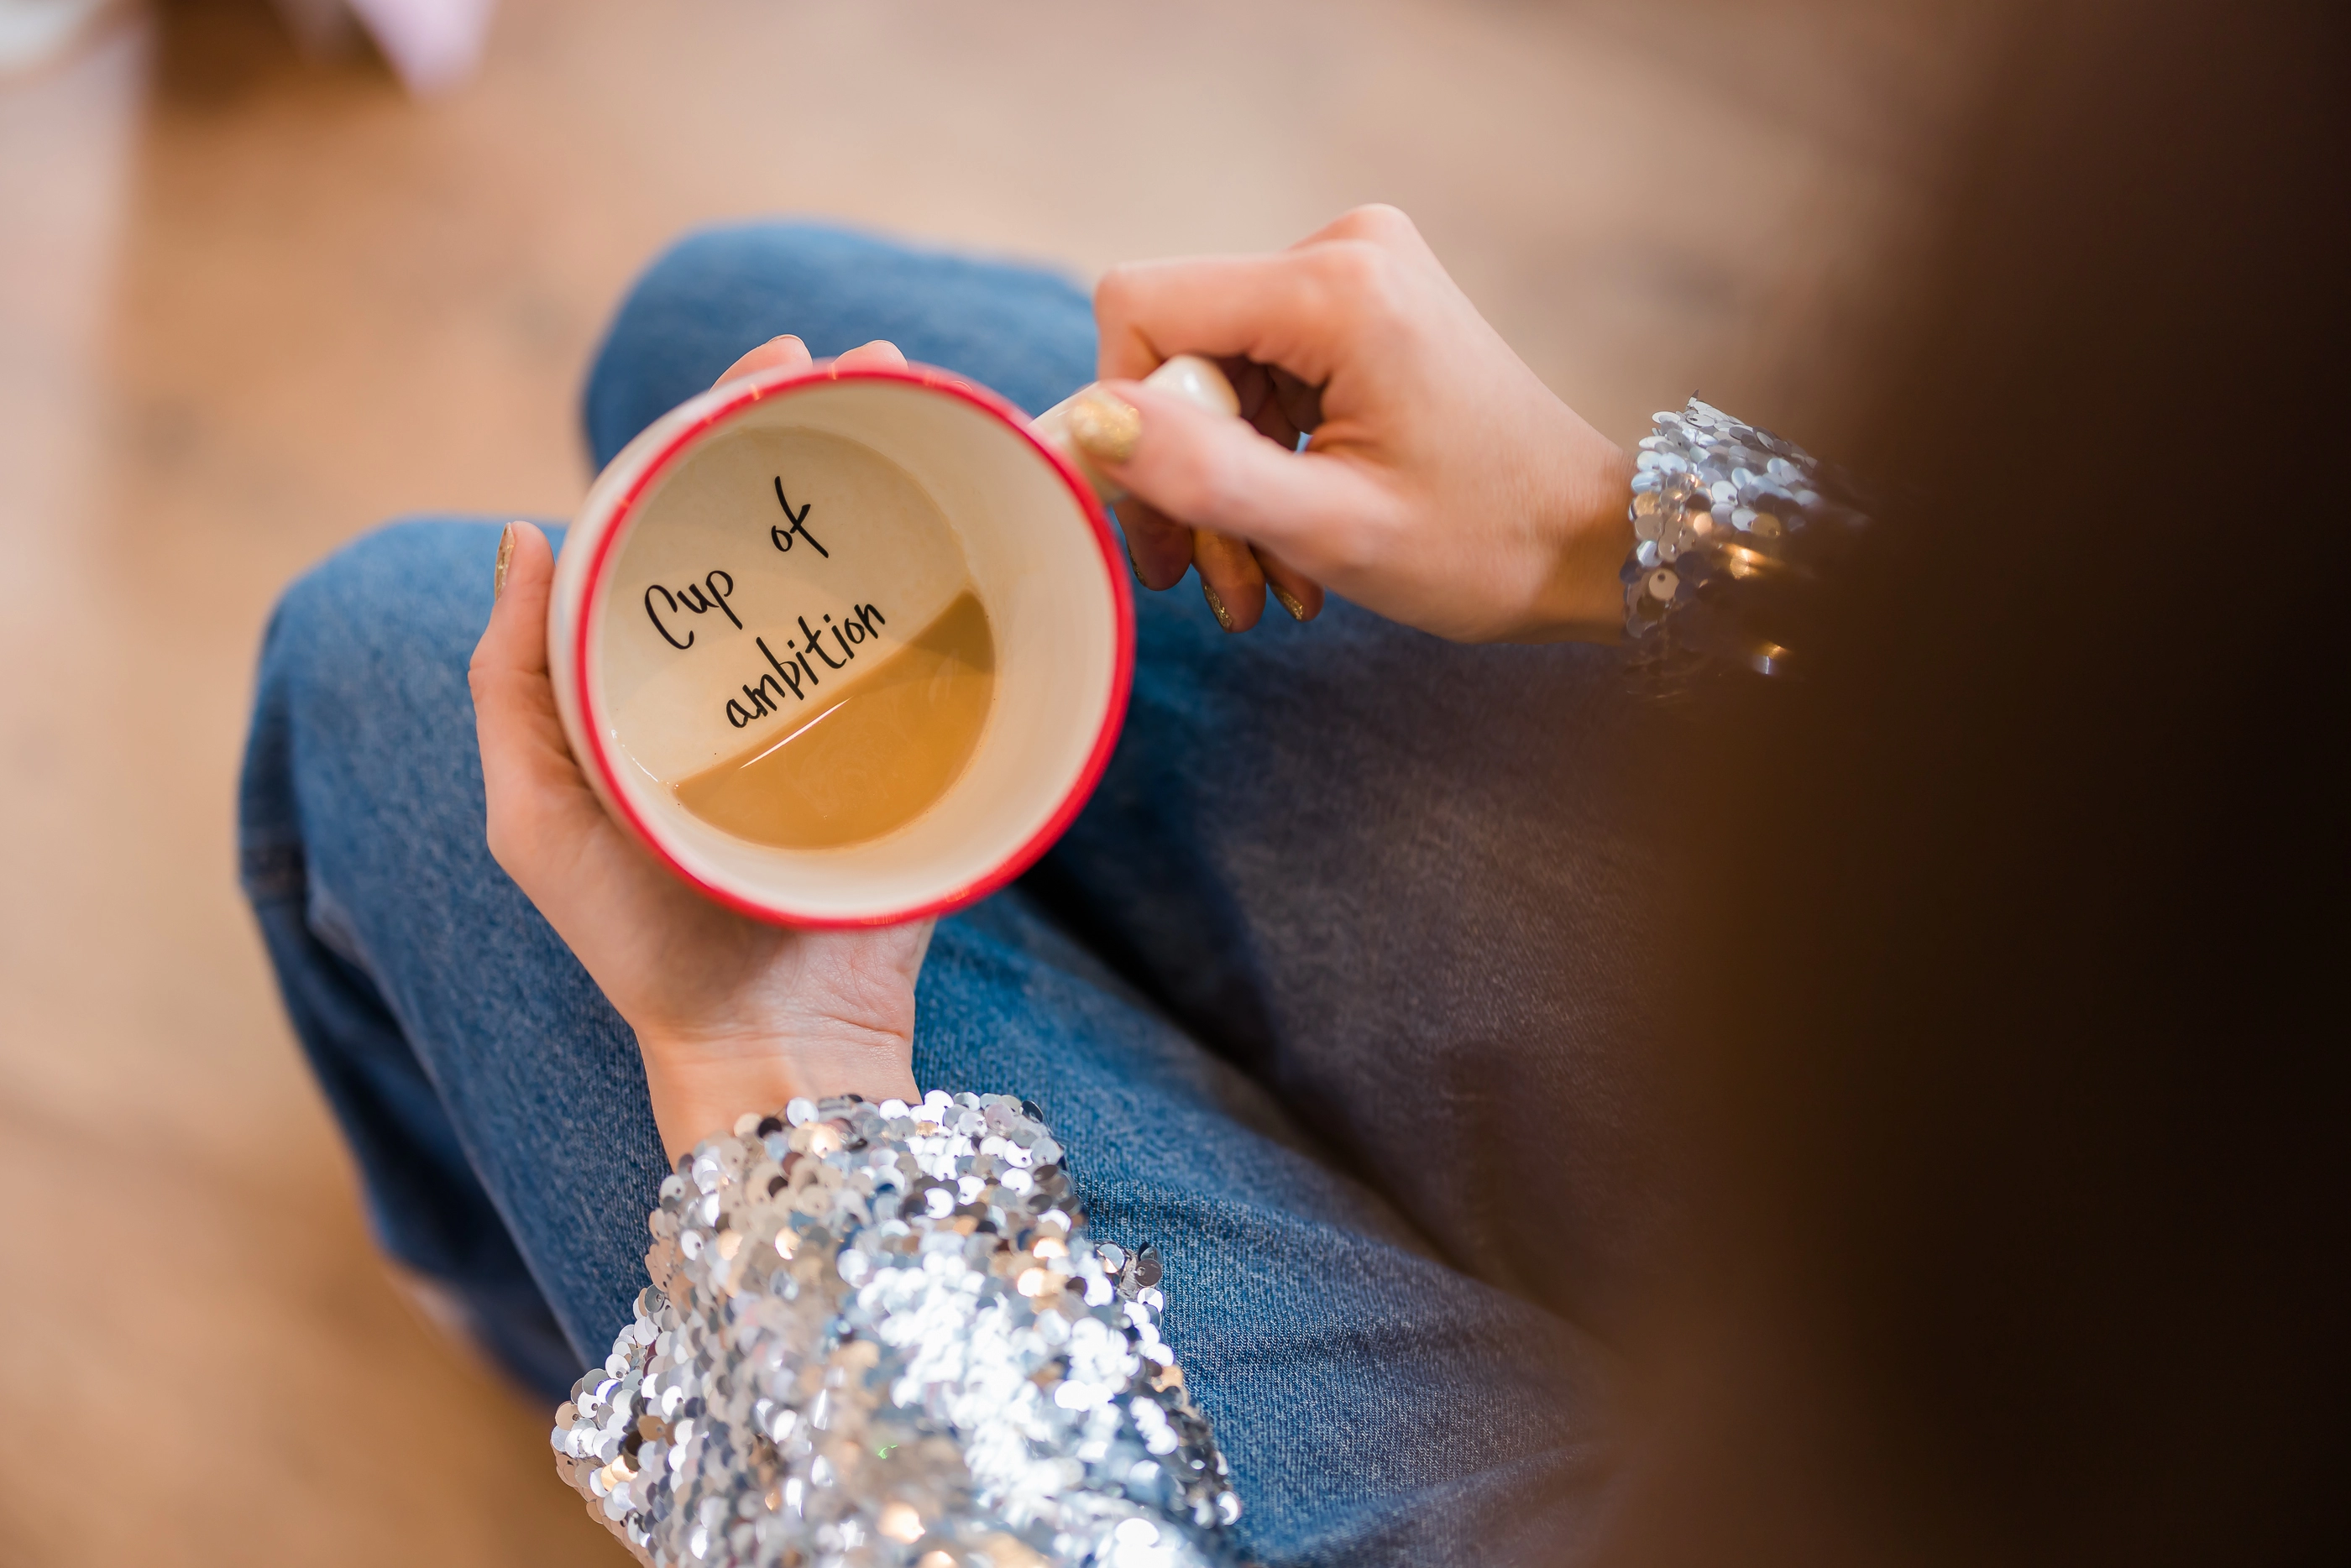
<point x="1387" y="873"/>
<point x="1372" y="1397"/>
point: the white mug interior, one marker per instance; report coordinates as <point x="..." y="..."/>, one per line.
<point x="1040" y="558"/>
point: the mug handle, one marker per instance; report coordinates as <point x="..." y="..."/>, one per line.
<point x="1187" y="376"/>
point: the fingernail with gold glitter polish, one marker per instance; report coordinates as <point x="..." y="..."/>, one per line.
<point x="1107" y="428"/>
<point x="1224" y="616"/>
<point x="1289" y="601"/>
<point x="505" y="559"/>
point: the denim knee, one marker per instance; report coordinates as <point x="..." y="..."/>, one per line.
<point x="1026" y="331"/>
<point x="691" y="314"/>
<point x="363" y="675"/>
<point x="400" y="605"/>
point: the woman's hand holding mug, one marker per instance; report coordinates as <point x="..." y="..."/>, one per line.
<point x="1444" y="485"/>
<point x="732" y="1014"/>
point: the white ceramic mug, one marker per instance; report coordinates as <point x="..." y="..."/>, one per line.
<point x="694" y="575"/>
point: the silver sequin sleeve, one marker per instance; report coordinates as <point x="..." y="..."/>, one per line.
<point x="878" y="1335"/>
<point x="1731" y="528"/>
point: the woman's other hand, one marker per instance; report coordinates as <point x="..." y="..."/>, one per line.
<point x="1444" y="485"/>
<point x="732" y="1014"/>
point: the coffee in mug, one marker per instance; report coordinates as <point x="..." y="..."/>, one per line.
<point x="812" y="684"/>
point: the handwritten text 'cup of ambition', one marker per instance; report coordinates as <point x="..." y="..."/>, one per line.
<point x="846" y="646"/>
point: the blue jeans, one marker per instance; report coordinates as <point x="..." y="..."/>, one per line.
<point x="1325" y="992"/>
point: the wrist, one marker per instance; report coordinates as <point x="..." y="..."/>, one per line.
<point x="699" y="1087"/>
<point x="1588" y="535"/>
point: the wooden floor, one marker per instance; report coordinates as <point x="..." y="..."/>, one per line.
<point x="250" y="306"/>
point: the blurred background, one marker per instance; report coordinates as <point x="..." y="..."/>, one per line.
<point x="268" y="277"/>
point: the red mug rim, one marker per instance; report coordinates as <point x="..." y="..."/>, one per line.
<point x="757" y="388"/>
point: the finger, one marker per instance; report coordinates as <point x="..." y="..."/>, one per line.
<point x="1296" y="592"/>
<point x="1230" y="580"/>
<point x="1160" y="551"/>
<point x="1255" y="388"/>
<point x="1197" y="468"/>
<point x="1262" y="408"/>
<point x="879" y="355"/>
<point x="1298" y="309"/>
<point x="785" y="353"/>
<point x="1274" y="425"/>
<point x="527" y="765"/>
<point x="515" y="641"/>
<point x="1300" y="404"/>
<point x="1252" y="386"/>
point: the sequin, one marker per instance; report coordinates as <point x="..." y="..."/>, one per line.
<point x="880" y="1335"/>
<point x="1716" y="502"/>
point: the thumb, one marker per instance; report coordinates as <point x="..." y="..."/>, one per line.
<point x="523" y="749"/>
<point x="514" y="645"/>
<point x="1214" y="471"/>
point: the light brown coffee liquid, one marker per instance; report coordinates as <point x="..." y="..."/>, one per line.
<point x="871" y="761"/>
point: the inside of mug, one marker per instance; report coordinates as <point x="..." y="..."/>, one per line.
<point x="767" y="547"/>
